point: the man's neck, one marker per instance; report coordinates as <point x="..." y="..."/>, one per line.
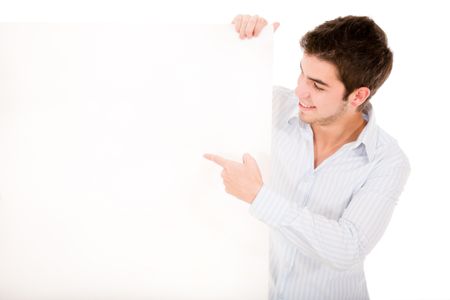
<point x="344" y="130"/>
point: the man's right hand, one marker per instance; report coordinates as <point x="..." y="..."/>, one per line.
<point x="249" y="26"/>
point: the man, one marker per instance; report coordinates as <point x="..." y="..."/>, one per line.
<point x="335" y="175"/>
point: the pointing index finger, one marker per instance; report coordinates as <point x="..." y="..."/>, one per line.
<point x="216" y="158"/>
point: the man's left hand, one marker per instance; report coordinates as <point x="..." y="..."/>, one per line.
<point x="242" y="180"/>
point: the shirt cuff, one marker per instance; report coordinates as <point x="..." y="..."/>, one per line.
<point x="272" y="208"/>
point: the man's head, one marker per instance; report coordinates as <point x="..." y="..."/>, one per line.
<point x="345" y="61"/>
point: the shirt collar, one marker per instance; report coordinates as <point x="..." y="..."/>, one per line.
<point x="367" y="137"/>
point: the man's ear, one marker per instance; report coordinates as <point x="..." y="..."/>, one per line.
<point x="359" y="96"/>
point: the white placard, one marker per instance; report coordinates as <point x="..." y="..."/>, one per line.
<point x="104" y="193"/>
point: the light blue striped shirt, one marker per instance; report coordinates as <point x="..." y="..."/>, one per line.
<point x="324" y="221"/>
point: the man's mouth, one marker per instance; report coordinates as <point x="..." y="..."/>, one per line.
<point x="305" y="107"/>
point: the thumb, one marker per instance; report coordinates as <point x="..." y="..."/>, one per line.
<point x="275" y="26"/>
<point x="245" y="158"/>
<point x="250" y="162"/>
<point x="248" y="159"/>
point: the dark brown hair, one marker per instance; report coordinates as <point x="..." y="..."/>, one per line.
<point x="357" y="46"/>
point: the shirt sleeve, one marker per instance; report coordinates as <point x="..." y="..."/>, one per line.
<point x="344" y="242"/>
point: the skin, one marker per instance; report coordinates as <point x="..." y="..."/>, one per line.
<point x="334" y="122"/>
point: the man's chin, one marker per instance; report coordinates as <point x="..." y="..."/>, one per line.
<point x="305" y="119"/>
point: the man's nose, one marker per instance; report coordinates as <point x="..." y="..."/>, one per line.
<point x="301" y="90"/>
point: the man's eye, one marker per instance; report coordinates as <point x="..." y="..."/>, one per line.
<point x="317" y="87"/>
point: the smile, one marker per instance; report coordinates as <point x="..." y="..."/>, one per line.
<point x="305" y="107"/>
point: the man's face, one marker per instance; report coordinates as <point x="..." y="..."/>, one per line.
<point x="320" y="92"/>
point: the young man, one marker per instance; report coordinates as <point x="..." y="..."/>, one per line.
<point x="335" y="175"/>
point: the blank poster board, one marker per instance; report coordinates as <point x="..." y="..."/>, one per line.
<point x="104" y="191"/>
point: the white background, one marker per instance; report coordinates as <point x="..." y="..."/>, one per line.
<point x="411" y="261"/>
